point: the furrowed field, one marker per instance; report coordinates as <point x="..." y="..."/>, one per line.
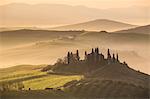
<point x="33" y="78"/>
<point x="50" y="81"/>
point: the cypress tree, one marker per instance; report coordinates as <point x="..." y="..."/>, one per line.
<point x="117" y="57"/>
<point x="85" y="53"/>
<point x="108" y="54"/>
<point x="78" y="57"/>
<point x="68" y="57"/>
<point x="113" y="57"/>
<point x="92" y="50"/>
<point x="97" y="50"/>
<point x="85" y="57"/>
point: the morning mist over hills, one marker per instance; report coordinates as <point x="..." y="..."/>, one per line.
<point x="39" y="24"/>
<point x="94" y="25"/>
<point x="97" y="25"/>
<point x="74" y="49"/>
<point x="22" y="14"/>
<point x="28" y="46"/>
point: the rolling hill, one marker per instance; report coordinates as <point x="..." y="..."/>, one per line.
<point x="32" y="77"/>
<point x="27" y="36"/>
<point x="105" y="79"/>
<point x="141" y="29"/>
<point x="42" y="46"/>
<point x="110" y="79"/>
<point x="60" y="14"/>
<point x="97" y="25"/>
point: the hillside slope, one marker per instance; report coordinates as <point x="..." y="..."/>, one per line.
<point x="141" y="29"/>
<point x="121" y="73"/>
<point x="27" y="36"/>
<point x="105" y="89"/>
<point x="111" y="81"/>
<point x="32" y="77"/>
<point x="97" y="25"/>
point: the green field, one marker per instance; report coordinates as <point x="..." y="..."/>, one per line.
<point x="50" y="81"/>
<point x="32" y="77"/>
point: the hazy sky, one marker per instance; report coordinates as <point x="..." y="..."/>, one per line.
<point x="89" y="3"/>
<point x="137" y="15"/>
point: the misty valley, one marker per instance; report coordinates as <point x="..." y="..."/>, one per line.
<point x="74" y="64"/>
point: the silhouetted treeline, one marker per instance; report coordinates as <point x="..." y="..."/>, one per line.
<point x="95" y="59"/>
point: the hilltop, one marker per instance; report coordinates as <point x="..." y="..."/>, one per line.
<point x="95" y="65"/>
<point x="97" y="25"/>
<point x="104" y="77"/>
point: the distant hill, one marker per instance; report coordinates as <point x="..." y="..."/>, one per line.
<point x="97" y="25"/>
<point x="141" y="29"/>
<point x="24" y="36"/>
<point x="2" y="29"/>
<point x="60" y="14"/>
<point x="38" y="44"/>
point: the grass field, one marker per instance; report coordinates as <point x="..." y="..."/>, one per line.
<point x="33" y="78"/>
<point x="20" y="72"/>
<point x="50" y="81"/>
